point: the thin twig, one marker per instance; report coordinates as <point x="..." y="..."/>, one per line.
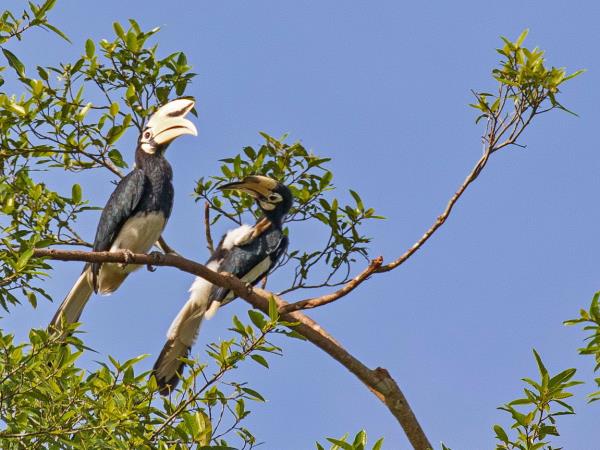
<point x="166" y="248"/>
<point x="442" y="218"/>
<point x="328" y="298"/>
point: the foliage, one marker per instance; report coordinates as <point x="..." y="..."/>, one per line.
<point x="52" y="126"/>
<point x="526" y="89"/>
<point x="12" y="26"/>
<point x="591" y="320"/>
<point x="46" y="401"/>
<point x="358" y="443"/>
<point x="545" y="400"/>
<point x="310" y="182"/>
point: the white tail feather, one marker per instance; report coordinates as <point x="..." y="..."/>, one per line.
<point x="187" y="323"/>
<point x="184" y="329"/>
<point x="212" y="310"/>
<point x="72" y="306"/>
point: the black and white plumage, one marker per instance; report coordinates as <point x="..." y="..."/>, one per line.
<point x="248" y="252"/>
<point x="136" y="212"/>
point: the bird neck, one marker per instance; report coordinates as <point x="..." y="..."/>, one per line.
<point x="158" y="186"/>
<point x="274" y="217"/>
<point x="153" y="164"/>
<point x="262" y="225"/>
<point x="143" y="158"/>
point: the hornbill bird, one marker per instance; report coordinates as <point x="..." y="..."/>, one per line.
<point x="136" y="212"/>
<point x="248" y="252"/>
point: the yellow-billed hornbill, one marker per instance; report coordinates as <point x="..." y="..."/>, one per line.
<point x="136" y="212"/>
<point x="248" y="252"/>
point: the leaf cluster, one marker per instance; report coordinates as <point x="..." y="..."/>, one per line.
<point x="526" y="88"/>
<point x="53" y="125"/>
<point x="46" y="401"/>
<point x="358" y="443"/>
<point x="590" y="319"/>
<point x="36" y="16"/>
<point x="311" y="183"/>
<point x="545" y="400"/>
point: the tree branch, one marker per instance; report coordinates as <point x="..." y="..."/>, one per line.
<point x="328" y="298"/>
<point x="442" y="218"/>
<point x="377" y="380"/>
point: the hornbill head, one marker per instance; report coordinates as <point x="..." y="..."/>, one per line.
<point x="275" y="199"/>
<point x="166" y="124"/>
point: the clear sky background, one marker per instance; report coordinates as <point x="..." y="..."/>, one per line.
<point x="382" y="88"/>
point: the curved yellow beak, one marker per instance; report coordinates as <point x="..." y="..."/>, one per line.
<point x="256" y="185"/>
<point x="169" y="121"/>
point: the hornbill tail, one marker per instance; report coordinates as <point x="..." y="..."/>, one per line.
<point x="70" y="309"/>
<point x="182" y="334"/>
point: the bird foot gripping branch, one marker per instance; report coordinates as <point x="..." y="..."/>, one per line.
<point x="158" y="258"/>
<point x="128" y="254"/>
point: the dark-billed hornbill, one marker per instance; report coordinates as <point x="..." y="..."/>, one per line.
<point x="247" y="252"/>
<point x="136" y="212"/>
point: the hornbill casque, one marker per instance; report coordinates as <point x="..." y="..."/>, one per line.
<point x="136" y="212"/>
<point x="248" y="252"/>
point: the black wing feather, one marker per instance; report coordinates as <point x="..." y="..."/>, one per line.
<point x="241" y="260"/>
<point x="118" y="209"/>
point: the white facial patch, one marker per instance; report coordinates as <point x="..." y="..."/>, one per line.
<point x="266" y="206"/>
<point x="148" y="148"/>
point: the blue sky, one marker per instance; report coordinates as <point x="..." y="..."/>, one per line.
<point x="382" y="88"/>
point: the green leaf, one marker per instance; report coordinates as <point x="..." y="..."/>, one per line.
<point x="273" y="313"/>
<point x="24" y="259"/>
<point x="509" y="82"/>
<point x="360" y="439"/>
<point x="257" y="319"/>
<point x="81" y="114"/>
<point x="573" y="75"/>
<point x="114" y="134"/>
<point x="57" y="32"/>
<point x="378" y="444"/>
<point x="90" y="48"/>
<point x="14" y="62"/>
<point x="341" y="444"/>
<point x="119" y="30"/>
<point x="500" y="433"/>
<point x="131" y="41"/>
<point x="43" y="73"/>
<point x="522" y="37"/>
<point x="541" y="367"/>
<point x="116" y="158"/>
<point x="114" y="109"/>
<point x="76" y="193"/>
<point x="357" y="199"/>
<point x="261" y="360"/>
<point x="130" y="93"/>
<point x="252" y="393"/>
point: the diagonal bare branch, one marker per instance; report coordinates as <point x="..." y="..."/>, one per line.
<point x="378" y="380"/>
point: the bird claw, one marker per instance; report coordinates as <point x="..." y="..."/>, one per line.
<point x="128" y="254"/>
<point x="157" y="257"/>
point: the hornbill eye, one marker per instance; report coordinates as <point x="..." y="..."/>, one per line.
<point x="274" y="198"/>
<point x="147" y="135"/>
